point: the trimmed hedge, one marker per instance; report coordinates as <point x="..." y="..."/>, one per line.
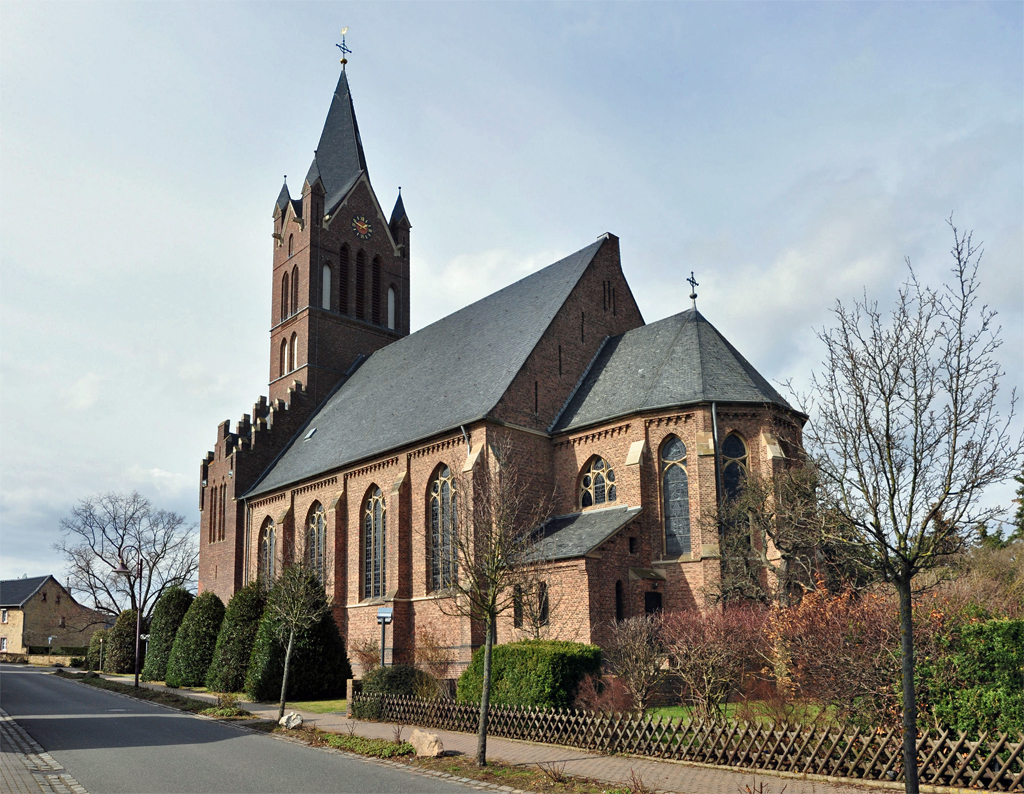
<point x="195" y="641"/>
<point x="119" y="647"/>
<point x="980" y="685"/>
<point x="318" y="667"/>
<point x="167" y="616"/>
<point x="541" y="673"/>
<point x="92" y="657"/>
<point x="236" y="639"/>
<point x="398" y="679"/>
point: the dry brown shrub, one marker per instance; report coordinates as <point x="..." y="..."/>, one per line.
<point x="604" y="694"/>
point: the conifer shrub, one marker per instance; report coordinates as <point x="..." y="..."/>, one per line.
<point x="96" y="643"/>
<point x="195" y="642"/>
<point x="319" y="666"/>
<point x="236" y="639"/>
<point x="541" y="673"/>
<point x="167" y="616"/>
<point x="119" y="645"/>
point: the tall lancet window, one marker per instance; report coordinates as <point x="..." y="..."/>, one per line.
<point x="675" y="492"/>
<point x="343" y="280"/>
<point x="266" y="554"/>
<point x="316" y="541"/>
<point x="374" y="545"/>
<point x="285" y="295"/>
<point x="375" y="291"/>
<point x="392" y="308"/>
<point x="325" y="288"/>
<point x="293" y="354"/>
<point x="361" y="285"/>
<point x="443" y="526"/>
<point x="295" y="289"/>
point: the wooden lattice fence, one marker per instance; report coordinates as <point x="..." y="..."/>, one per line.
<point x="992" y="763"/>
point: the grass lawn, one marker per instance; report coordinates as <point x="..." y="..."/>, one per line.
<point x="318" y="706"/>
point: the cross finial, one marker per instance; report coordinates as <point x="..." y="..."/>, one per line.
<point x="693" y="289"/>
<point x="344" y="50"/>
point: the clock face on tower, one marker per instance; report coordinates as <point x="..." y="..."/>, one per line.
<point x="362" y="227"/>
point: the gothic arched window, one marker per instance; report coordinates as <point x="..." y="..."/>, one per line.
<point x="293" y="353"/>
<point x="598" y="484"/>
<point x="443" y="526"/>
<point x="325" y="288"/>
<point x="392" y="308"/>
<point x="283" y="369"/>
<point x="285" y="295"/>
<point x="374" y="544"/>
<point x="675" y="494"/>
<point x="265" y="556"/>
<point x="375" y="291"/>
<point x="295" y="289"/>
<point x="734" y="464"/>
<point x="291" y="244"/>
<point x="343" y="280"/>
<point x="316" y="540"/>
<point x="361" y="285"/>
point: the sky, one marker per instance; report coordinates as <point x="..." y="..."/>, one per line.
<point x="790" y="154"/>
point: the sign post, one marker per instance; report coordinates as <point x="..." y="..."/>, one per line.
<point x="384" y="616"/>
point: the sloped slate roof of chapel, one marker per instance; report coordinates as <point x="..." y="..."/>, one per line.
<point x="450" y="373"/>
<point x="680" y="360"/>
<point x="575" y="535"/>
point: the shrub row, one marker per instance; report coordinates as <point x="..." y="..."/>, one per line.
<point x="167" y="616"/>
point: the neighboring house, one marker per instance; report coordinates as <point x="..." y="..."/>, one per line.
<point x="636" y="430"/>
<point x="34" y="610"/>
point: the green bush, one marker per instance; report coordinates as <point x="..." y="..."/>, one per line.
<point x="980" y="685"/>
<point x="78" y="661"/>
<point x="318" y="667"/>
<point x="236" y="639"/>
<point x="119" y="652"/>
<point x="195" y="641"/>
<point x="167" y="616"/>
<point x="92" y="657"/>
<point x="541" y="673"/>
<point x="398" y="679"/>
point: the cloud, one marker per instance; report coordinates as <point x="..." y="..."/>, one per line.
<point x="84" y="392"/>
<point x="163" y="483"/>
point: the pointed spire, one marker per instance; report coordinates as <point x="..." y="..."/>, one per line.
<point x="398" y="213"/>
<point x="284" y="196"/>
<point x="339" y="159"/>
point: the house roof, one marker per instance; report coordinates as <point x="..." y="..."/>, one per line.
<point x="578" y="534"/>
<point x="680" y="360"/>
<point x="338" y="160"/>
<point x="15" y="592"/>
<point x="448" y="374"/>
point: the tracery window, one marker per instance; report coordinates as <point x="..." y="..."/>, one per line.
<point x="325" y="288"/>
<point x="316" y="541"/>
<point x="375" y="291"/>
<point x="295" y="289"/>
<point x="734" y="464"/>
<point x="598" y="484"/>
<point x="343" y="280"/>
<point x="374" y="545"/>
<point x="361" y="285"/>
<point x="265" y="557"/>
<point x="675" y="492"/>
<point x="443" y="517"/>
<point x="285" y="294"/>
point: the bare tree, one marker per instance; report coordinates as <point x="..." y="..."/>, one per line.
<point x="637" y="656"/>
<point x="105" y="530"/>
<point x="298" y="603"/>
<point x="907" y="433"/>
<point x="493" y="536"/>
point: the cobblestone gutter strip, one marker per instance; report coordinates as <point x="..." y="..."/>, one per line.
<point x="49" y="776"/>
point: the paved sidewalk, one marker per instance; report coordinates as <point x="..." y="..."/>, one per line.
<point x="25" y="768"/>
<point x="669" y="776"/>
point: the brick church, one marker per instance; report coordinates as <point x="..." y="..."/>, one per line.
<point x="350" y="464"/>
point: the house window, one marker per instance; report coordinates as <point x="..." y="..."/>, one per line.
<point x="325" y="288"/>
<point x="43" y="599"/>
<point x="316" y="541"/>
<point x="632" y="545"/>
<point x="374" y="545"/>
<point x="598" y="484"/>
<point x="3" y="615"/>
<point x="361" y="285"/>
<point x="443" y="515"/>
<point x="375" y="291"/>
<point x="58" y="598"/>
<point x="734" y="464"/>
<point x="343" y="280"/>
<point x="392" y="308"/>
<point x="675" y="493"/>
<point x="62" y="622"/>
<point x="3" y="644"/>
<point x="265" y="560"/>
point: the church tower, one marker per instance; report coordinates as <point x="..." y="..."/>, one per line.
<point x="341" y="267"/>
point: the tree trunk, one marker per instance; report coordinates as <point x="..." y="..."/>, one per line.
<point x="485" y="694"/>
<point x="909" y="695"/>
<point x="284" y="678"/>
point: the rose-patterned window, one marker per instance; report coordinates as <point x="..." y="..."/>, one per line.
<point x="598" y="484"/>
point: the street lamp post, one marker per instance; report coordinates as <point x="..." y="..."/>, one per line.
<point x="123" y="569"/>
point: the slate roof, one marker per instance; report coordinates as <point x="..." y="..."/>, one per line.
<point x="283" y="198"/>
<point x="15" y="592"/>
<point x="338" y="160"/>
<point x="398" y="212"/>
<point x="680" y="360"/>
<point x="450" y="373"/>
<point x="578" y="534"/>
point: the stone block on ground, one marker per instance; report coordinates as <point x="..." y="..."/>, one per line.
<point x="427" y="745"/>
<point x="290" y="720"/>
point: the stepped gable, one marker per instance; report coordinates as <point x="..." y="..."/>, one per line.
<point x="448" y="374"/>
<point x="338" y="160"/>
<point x="680" y="360"/>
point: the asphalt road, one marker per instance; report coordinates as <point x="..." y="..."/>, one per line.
<point x="116" y="744"/>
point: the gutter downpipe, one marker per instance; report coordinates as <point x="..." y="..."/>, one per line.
<point x="465" y="437"/>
